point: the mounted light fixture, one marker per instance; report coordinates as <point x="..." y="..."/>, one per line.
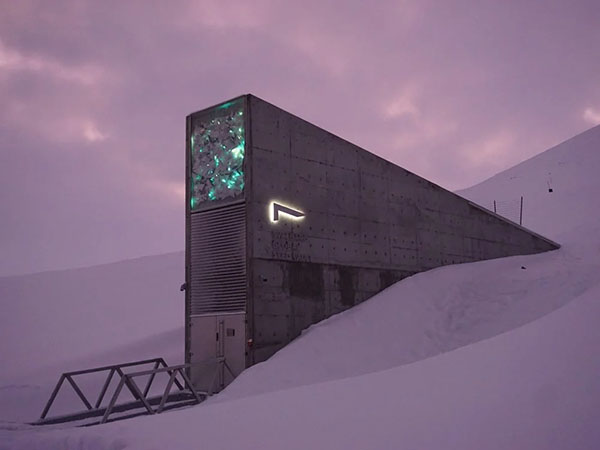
<point x="275" y="209"/>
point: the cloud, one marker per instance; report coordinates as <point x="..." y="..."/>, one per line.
<point x="426" y="131"/>
<point x="591" y="116"/>
<point x="226" y="14"/>
<point x="60" y="95"/>
<point x="421" y="133"/>
<point x="492" y="151"/>
<point x="426" y="125"/>
<point x="323" y="49"/>
<point x="91" y="132"/>
<point x="57" y="128"/>
<point x="176" y="190"/>
<point x="402" y="105"/>
<point x="12" y="60"/>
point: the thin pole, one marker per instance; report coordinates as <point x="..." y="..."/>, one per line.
<point x="494" y="205"/>
<point x="104" y="388"/>
<point x="113" y="400"/>
<point x="521" y="213"/>
<point x="53" y="396"/>
<point x="78" y="392"/>
<point x="167" y="392"/>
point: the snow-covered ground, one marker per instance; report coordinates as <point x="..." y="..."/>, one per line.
<point x="499" y="354"/>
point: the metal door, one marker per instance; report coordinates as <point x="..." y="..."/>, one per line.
<point x="231" y="345"/>
<point x="203" y="332"/>
<point x="214" y="337"/>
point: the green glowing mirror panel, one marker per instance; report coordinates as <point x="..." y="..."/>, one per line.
<point x="217" y="155"/>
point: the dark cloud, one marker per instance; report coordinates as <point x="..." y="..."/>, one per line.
<point x="94" y="96"/>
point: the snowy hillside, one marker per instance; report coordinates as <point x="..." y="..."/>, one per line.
<point x="523" y="373"/>
<point x="570" y="170"/>
<point x="72" y="319"/>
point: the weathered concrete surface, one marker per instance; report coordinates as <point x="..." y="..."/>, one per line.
<point x="368" y="224"/>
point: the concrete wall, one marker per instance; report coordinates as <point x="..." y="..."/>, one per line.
<point x="368" y="224"/>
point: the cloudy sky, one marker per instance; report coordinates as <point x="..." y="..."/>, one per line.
<point x="94" y="95"/>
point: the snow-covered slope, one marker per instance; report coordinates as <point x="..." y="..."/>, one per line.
<point x="52" y="322"/>
<point x="346" y="383"/>
<point x="53" y="317"/>
<point x="570" y="170"/>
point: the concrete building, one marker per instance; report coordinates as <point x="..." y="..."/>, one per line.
<point x="287" y="224"/>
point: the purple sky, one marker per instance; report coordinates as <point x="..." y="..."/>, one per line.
<point x="94" y="96"/>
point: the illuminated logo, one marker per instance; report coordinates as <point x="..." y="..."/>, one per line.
<point x="277" y="209"/>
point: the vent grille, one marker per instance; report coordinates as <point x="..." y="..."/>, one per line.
<point x="218" y="261"/>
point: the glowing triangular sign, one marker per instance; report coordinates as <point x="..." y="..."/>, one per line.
<point x="282" y="209"/>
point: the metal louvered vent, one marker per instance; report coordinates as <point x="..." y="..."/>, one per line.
<point x="218" y="261"/>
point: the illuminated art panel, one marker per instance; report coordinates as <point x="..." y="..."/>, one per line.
<point x="217" y="145"/>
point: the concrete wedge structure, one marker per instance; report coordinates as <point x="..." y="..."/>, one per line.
<point x="287" y="224"/>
